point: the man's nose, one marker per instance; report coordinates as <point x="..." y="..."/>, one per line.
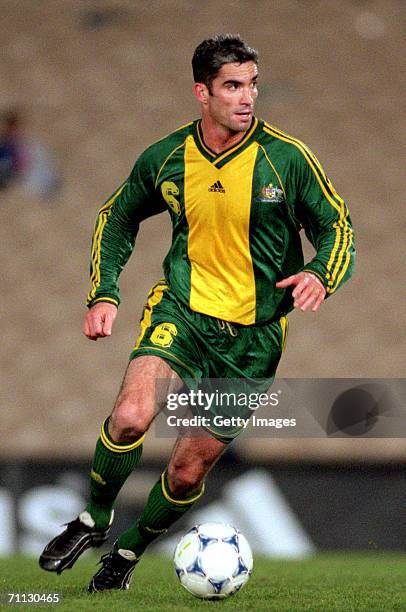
<point x="247" y="96"/>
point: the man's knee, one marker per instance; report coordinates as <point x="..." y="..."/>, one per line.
<point x="130" y="419"/>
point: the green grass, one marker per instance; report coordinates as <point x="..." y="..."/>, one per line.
<point x="345" y="583"/>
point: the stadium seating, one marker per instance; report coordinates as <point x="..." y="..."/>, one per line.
<point x="98" y="91"/>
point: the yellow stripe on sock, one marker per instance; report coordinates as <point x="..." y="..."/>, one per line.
<point x="118" y="448"/>
<point x="179" y="502"/>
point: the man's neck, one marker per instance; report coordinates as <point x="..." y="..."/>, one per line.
<point x="219" y="138"/>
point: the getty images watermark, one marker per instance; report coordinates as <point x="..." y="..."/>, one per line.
<point x="213" y="409"/>
<point x="317" y="408"/>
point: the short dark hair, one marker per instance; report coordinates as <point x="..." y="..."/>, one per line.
<point x="213" y="53"/>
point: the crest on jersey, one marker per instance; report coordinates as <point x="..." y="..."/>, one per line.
<point x="269" y="193"/>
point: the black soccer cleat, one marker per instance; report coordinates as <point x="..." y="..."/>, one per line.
<point x="116" y="571"/>
<point x="63" y="551"/>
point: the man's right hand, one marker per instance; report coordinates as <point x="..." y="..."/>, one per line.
<point x="99" y="320"/>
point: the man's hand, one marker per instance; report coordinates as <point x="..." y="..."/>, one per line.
<point x="99" y="320"/>
<point x="308" y="292"/>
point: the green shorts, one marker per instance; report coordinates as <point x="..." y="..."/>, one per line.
<point x="202" y="349"/>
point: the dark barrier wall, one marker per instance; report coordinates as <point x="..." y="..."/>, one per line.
<point x="284" y="510"/>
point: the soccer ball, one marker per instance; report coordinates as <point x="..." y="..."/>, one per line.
<point x="213" y="561"/>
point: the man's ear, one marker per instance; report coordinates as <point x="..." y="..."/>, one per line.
<point x="201" y="92"/>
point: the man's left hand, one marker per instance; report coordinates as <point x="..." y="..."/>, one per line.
<point x="308" y="292"/>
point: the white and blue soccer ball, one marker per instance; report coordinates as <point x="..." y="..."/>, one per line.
<point x="213" y="561"/>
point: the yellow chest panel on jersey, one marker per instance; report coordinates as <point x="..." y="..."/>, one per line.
<point x="217" y="208"/>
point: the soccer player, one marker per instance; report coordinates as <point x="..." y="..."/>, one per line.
<point x="238" y="191"/>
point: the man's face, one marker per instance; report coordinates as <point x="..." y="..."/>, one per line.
<point x="233" y="95"/>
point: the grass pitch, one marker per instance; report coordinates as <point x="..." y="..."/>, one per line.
<point x="345" y="583"/>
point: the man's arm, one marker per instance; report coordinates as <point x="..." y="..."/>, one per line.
<point x="113" y="241"/>
<point x="327" y="224"/>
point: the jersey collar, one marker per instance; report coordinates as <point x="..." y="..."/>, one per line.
<point x="223" y="157"/>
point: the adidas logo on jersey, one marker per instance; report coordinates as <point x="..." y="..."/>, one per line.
<point x="217" y="187"/>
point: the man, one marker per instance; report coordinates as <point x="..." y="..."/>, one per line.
<point x="13" y="149"/>
<point x="238" y="192"/>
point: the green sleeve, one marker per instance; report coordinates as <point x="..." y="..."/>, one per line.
<point x="326" y="221"/>
<point x="116" y="228"/>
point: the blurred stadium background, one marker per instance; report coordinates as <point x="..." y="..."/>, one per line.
<point x="98" y="81"/>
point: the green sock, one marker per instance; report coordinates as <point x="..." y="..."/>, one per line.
<point x="112" y="464"/>
<point x="159" y="513"/>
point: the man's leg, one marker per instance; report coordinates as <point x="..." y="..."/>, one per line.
<point x="178" y="488"/>
<point x="118" y="450"/>
<point x="119" y="447"/>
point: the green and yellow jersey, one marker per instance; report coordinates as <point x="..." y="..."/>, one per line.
<point x="236" y="220"/>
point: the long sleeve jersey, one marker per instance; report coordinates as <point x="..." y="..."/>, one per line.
<point x="236" y="220"/>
